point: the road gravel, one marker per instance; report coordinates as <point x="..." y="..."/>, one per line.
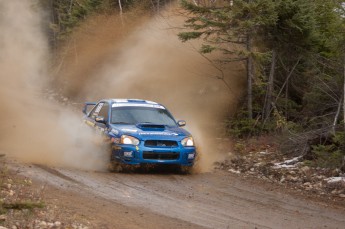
<point x="210" y="200"/>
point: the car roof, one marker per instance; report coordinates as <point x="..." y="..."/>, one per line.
<point x="133" y="102"/>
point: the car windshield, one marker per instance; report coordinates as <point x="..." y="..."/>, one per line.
<point x="134" y="115"/>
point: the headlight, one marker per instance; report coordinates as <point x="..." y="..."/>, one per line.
<point x="129" y="140"/>
<point x="187" y="141"/>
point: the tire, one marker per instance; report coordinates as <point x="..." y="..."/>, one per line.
<point x="186" y="169"/>
<point x="114" y="167"/>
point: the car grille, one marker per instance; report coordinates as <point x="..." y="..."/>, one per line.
<point x="161" y="156"/>
<point x="160" y="143"/>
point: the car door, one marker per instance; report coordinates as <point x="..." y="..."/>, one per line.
<point x="100" y="111"/>
<point x="103" y="113"/>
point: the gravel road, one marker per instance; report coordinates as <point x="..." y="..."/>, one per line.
<point x="210" y="200"/>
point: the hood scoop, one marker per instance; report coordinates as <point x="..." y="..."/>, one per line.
<point x="150" y="126"/>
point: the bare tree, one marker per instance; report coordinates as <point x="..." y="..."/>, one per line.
<point x="120" y="6"/>
<point x="337" y="116"/>
<point x="250" y="73"/>
<point x="121" y="12"/>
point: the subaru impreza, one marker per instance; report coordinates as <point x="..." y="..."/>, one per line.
<point x="141" y="132"/>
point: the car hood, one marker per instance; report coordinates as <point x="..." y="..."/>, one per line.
<point x="149" y="131"/>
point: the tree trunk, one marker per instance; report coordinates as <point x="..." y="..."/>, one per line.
<point x="337" y="115"/>
<point x="158" y="6"/>
<point x="286" y="98"/>
<point x="250" y="72"/>
<point x="344" y="95"/>
<point x="270" y="86"/>
<point x="120" y="6"/>
<point x="70" y="6"/>
<point x="121" y="11"/>
<point x="250" y="76"/>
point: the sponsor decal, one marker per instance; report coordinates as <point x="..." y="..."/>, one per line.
<point x="89" y="123"/>
<point x="99" y="107"/>
<point x="120" y="100"/>
<point x="129" y="130"/>
<point x="128" y="154"/>
<point x="114" y="131"/>
<point x="138" y="105"/>
<point x="159" y="133"/>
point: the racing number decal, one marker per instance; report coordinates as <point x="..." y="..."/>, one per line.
<point x="95" y="112"/>
<point x="99" y="107"/>
<point x="90" y="123"/>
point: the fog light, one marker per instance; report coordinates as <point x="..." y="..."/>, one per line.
<point x="191" y="156"/>
<point x="128" y="154"/>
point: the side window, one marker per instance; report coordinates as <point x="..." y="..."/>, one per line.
<point x="95" y="111"/>
<point x="104" y="111"/>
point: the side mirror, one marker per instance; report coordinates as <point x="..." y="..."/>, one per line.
<point x="181" y="123"/>
<point x="100" y="119"/>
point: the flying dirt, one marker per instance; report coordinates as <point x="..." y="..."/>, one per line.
<point x="143" y="58"/>
<point x="135" y="56"/>
<point x="33" y="128"/>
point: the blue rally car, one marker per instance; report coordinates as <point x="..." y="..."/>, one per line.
<point x="141" y="132"/>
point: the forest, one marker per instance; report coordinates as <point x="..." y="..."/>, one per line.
<point x="294" y="53"/>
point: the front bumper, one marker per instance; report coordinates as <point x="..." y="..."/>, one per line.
<point x="136" y="155"/>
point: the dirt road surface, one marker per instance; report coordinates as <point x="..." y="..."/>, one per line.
<point x="154" y="200"/>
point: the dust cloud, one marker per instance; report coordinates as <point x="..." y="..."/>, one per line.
<point x="143" y="58"/>
<point x="133" y="56"/>
<point x="33" y="129"/>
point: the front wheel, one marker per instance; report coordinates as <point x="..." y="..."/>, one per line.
<point x="186" y="169"/>
<point x="114" y="167"/>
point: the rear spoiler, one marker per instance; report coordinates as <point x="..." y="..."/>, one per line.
<point x="88" y="107"/>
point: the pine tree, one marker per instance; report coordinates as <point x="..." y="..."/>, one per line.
<point x="303" y="39"/>
<point x="226" y="26"/>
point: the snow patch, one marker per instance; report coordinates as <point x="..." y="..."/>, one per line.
<point x="234" y="171"/>
<point x="264" y="152"/>
<point x="335" y="179"/>
<point x="291" y="163"/>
